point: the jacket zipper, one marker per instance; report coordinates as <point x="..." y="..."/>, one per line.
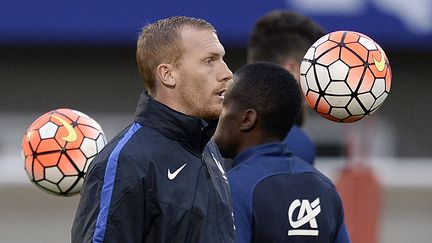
<point x="211" y="200"/>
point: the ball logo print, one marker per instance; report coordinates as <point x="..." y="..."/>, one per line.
<point x="72" y="135"/>
<point x="345" y="76"/>
<point x="58" y="148"/>
<point x="380" y="65"/>
<point x="306" y="214"/>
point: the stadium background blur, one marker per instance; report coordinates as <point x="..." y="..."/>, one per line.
<point x="81" y="55"/>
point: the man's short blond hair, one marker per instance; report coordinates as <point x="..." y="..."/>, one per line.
<point x="160" y="42"/>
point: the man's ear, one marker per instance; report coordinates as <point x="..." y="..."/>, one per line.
<point x="289" y="64"/>
<point x="249" y="120"/>
<point x="292" y="66"/>
<point x="165" y="75"/>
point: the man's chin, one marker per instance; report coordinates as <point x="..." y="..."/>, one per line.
<point x="225" y="154"/>
<point x="210" y="118"/>
<point x="212" y="114"/>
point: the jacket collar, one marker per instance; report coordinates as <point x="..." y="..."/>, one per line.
<point x="193" y="133"/>
<point x="269" y="149"/>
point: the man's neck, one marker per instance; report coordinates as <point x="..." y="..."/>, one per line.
<point x="255" y="139"/>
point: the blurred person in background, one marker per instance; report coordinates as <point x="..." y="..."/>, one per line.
<point x="277" y="197"/>
<point x="160" y="180"/>
<point x="283" y="37"/>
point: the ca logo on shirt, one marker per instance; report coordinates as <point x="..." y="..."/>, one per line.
<point x="305" y="217"/>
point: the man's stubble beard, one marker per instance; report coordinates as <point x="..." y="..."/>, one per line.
<point x="197" y="108"/>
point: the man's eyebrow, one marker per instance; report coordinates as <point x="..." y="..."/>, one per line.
<point x="213" y="53"/>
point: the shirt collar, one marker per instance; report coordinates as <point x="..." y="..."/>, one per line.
<point x="274" y="149"/>
<point x="192" y="132"/>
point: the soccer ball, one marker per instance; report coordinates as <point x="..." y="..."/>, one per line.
<point x="345" y="76"/>
<point x="58" y="147"/>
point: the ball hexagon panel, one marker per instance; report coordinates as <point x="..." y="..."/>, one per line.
<point x="76" y="188"/>
<point x="353" y="118"/>
<point x="323" y="106"/>
<point x="53" y="174"/>
<point x="47" y="185"/>
<point x="33" y="138"/>
<point x="26" y="149"/>
<point x="324" y="79"/>
<point x="367" y="82"/>
<point x="67" y="182"/>
<point x="379" y="101"/>
<point x="337" y="36"/>
<point x="321" y="40"/>
<point x="38" y="123"/>
<point x="354" y="77"/>
<point x="80" y="114"/>
<point x="337" y="101"/>
<point x="48" y="130"/>
<point x="89" y="132"/>
<point x="311" y="81"/>
<point x="378" y="87"/>
<point x="308" y="56"/>
<point x="88" y="163"/>
<point x="28" y="166"/>
<point x="329" y="57"/>
<point x="100" y="142"/>
<point x="360" y="51"/>
<point x="89" y="122"/>
<point x="312" y="98"/>
<point x="355" y="108"/>
<point x="69" y="168"/>
<point x="71" y="115"/>
<point x="367" y="43"/>
<point x="338" y="70"/>
<point x="38" y="172"/>
<point x="340" y="113"/>
<point x="89" y="147"/>
<point x="351" y="37"/>
<point x="350" y="58"/>
<point x="304" y="85"/>
<point x="49" y="159"/>
<point x="367" y="100"/>
<point x="48" y="145"/>
<point x="388" y="79"/>
<point x="338" y="88"/>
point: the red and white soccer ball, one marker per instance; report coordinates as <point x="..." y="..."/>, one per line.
<point x="345" y="76"/>
<point x="58" y="147"/>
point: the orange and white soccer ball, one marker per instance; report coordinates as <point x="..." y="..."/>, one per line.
<point x="58" y="148"/>
<point x="345" y="76"/>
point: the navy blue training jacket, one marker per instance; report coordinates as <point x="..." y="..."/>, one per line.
<point x="280" y="198"/>
<point x="160" y="180"/>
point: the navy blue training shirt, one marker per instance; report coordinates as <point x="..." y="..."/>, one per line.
<point x="280" y="198"/>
